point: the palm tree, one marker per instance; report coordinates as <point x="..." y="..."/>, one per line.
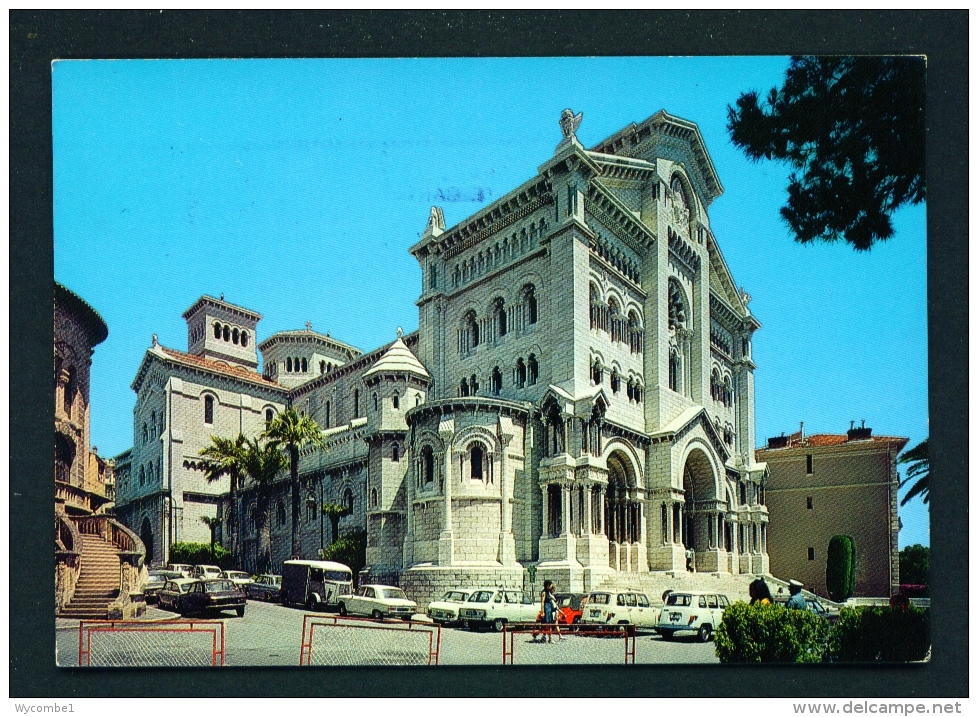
<point x="918" y="459"/>
<point x="262" y="463"/>
<point x="225" y="457"/>
<point x="334" y="512"/>
<point x="290" y="433"/>
<point x="211" y="523"/>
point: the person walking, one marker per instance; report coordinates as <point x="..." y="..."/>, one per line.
<point x="548" y="603"/>
<point x="797" y="600"/>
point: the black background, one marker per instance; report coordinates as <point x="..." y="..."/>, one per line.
<point x="36" y="38"/>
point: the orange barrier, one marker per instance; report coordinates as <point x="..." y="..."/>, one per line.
<point x="383" y="648"/>
<point x="197" y="627"/>
<point x="625" y="632"/>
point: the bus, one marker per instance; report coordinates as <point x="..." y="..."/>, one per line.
<point x="315" y="583"/>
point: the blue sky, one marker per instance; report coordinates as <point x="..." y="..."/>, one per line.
<point x="295" y="187"/>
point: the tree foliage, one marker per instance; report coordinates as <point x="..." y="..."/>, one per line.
<point x="200" y="554"/>
<point x="915" y="565"/>
<point x="225" y="457"/>
<point x="290" y="432"/>
<point x="770" y="633"/>
<point x="879" y="634"/>
<point x="334" y="511"/>
<point x="852" y="128"/>
<point x="349" y="549"/>
<point x="840" y="568"/>
<point x="918" y="461"/>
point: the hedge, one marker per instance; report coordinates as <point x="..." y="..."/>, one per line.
<point x="840" y="568"/>
<point x="879" y="634"/>
<point x="200" y="554"/>
<point x="770" y="633"/>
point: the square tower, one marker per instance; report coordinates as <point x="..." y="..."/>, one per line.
<point x="223" y="332"/>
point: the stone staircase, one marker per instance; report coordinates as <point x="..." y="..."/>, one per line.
<point x="98" y="581"/>
<point x="654" y="584"/>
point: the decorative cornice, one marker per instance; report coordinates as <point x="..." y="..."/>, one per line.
<point x="323" y="340"/>
<point x="467" y="241"/>
<point x="610" y="211"/>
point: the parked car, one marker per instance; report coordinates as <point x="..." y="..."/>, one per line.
<point x="155" y="582"/>
<point x="239" y="578"/>
<point x="212" y="596"/>
<point x="378" y="601"/>
<point x="697" y="612"/>
<point x="206" y="572"/>
<point x="181" y="568"/>
<point x="445" y="611"/>
<point x="496" y="607"/>
<point x="172" y="593"/>
<point x="620" y="607"/>
<point x="265" y="587"/>
<point x="570" y="607"/>
<point x="815" y="606"/>
<point x="315" y="583"/>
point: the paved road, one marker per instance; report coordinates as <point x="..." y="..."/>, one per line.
<point x="270" y="634"/>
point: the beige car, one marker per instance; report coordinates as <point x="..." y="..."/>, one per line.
<point x="446" y="610"/>
<point x="620" y="607"/>
<point x="698" y="612"/>
<point x="378" y="601"/>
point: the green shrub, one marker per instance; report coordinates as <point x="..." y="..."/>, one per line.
<point x="349" y="549"/>
<point x="879" y="634"/>
<point x="770" y="633"/>
<point x="840" y="568"/>
<point x="200" y="554"/>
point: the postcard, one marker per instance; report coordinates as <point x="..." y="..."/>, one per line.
<point x="434" y="362"/>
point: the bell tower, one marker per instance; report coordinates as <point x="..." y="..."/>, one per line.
<point x="221" y="331"/>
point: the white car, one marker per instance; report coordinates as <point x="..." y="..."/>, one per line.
<point x="698" y="612"/>
<point x="207" y="572"/>
<point x="378" y="601"/>
<point x="239" y="578"/>
<point x="496" y="607"/>
<point x="446" y="610"/>
<point x="620" y="607"/>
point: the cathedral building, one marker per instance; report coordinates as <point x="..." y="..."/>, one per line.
<point x="577" y="403"/>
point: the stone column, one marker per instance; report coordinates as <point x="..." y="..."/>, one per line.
<point x="565" y="509"/>
<point x="588" y="511"/>
<point x="546" y="510"/>
<point x="507" y="543"/>
<point x="446" y="541"/>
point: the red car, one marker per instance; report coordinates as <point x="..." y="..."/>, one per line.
<point x="571" y="605"/>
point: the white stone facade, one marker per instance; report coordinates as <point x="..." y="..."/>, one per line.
<point x="581" y="404"/>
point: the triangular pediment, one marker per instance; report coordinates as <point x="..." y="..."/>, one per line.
<point x="721" y="280"/>
<point x="693" y="417"/>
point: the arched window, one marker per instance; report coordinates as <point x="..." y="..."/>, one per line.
<point x="311" y="508"/>
<point x="596" y="373"/>
<point x="472" y="326"/>
<point x="70" y="388"/>
<point x="396" y="453"/>
<point x="142" y="475"/>
<point x="473" y="385"/>
<point x="520" y="375"/>
<point x="396" y="401"/>
<point x="356" y="403"/>
<point x="373" y="497"/>
<point x="329" y="367"/>
<point x="288" y="364"/>
<point x="348" y="499"/>
<point x="280" y="514"/>
<point x="496" y="381"/>
<point x="269" y="415"/>
<point x="145" y="433"/>
<point x="680" y="192"/>
<point x="326" y="416"/>
<point x="217" y="331"/>
<point x="678" y="313"/>
<point x="532" y="370"/>
<point x="463" y="389"/>
<point x="305" y="366"/>
<point x="208" y="409"/>
<point x="674" y="369"/>
<point x="235" y="335"/>
<point x="530" y="301"/>
<point x="500" y="309"/>
<point x="244" y="338"/>
<point x="427" y="464"/>
<point x="476" y="456"/>
<point x="615" y="381"/>
<point x="322" y="367"/>
<point x="226" y="333"/>
<point x="376" y="402"/>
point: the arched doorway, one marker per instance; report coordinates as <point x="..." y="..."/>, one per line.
<point x="146" y="535"/>
<point x="699" y="523"/>
<point x="622" y="509"/>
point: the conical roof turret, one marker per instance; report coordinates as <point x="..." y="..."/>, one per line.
<point x="398" y="359"/>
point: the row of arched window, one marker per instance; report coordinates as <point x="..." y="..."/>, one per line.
<point x="720" y="341"/>
<point x="500" y="321"/>
<point x="633" y="389"/>
<point x="228" y="333"/>
<point x="721" y="389"/>
<point x="151" y="472"/>
<point x="620" y="328"/>
<point x="498" y="254"/>
<point x="70" y="388"/>
<point x="153" y="429"/>
<point x="525" y="373"/>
